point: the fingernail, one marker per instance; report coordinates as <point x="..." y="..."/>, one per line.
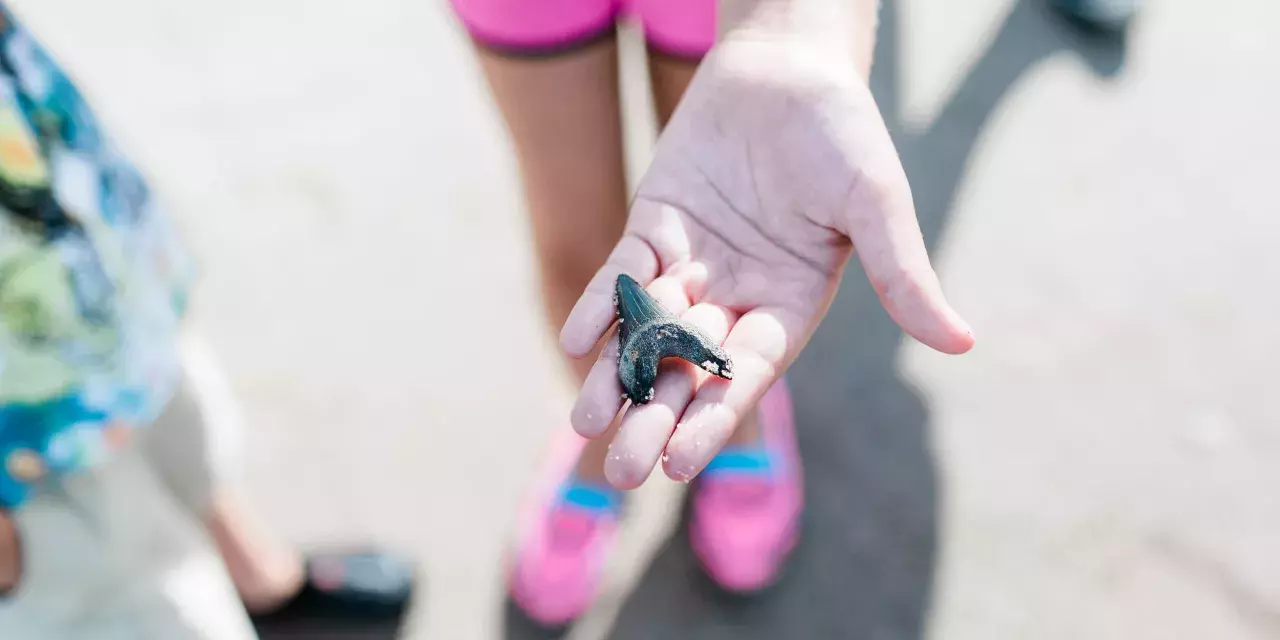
<point x="682" y="473"/>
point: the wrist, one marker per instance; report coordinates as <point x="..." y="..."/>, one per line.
<point x="842" y="29"/>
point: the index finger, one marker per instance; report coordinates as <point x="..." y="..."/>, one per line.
<point x="593" y="314"/>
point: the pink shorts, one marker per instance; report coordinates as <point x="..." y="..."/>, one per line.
<point x="683" y="28"/>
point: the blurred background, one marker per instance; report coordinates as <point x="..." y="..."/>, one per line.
<point x="1105" y="464"/>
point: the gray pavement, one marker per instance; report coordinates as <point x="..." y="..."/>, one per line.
<point x="1106" y="464"/>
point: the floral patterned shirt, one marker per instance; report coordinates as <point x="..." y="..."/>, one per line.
<point x="92" y="281"/>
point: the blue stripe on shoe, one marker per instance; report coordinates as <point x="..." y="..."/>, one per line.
<point x="591" y="496"/>
<point x="755" y="460"/>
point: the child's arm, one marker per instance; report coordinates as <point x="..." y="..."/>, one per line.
<point x="773" y="169"/>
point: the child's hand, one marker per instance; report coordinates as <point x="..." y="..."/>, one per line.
<point x="774" y="169"/>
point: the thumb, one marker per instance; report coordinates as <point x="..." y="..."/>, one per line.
<point x="881" y="221"/>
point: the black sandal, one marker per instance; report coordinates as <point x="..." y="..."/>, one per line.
<point x="363" y="595"/>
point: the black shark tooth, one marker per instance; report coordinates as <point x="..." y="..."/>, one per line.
<point x="649" y="333"/>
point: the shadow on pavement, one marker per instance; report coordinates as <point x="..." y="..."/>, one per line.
<point x="865" y="566"/>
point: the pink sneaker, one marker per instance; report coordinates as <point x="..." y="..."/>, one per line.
<point x="567" y="529"/>
<point x="747" y="503"/>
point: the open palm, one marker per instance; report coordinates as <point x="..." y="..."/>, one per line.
<point x="775" y="168"/>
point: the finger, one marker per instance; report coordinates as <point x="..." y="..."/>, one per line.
<point x="761" y="344"/>
<point x="645" y="429"/>
<point x="593" y="314"/>
<point x="889" y="244"/>
<point x="601" y="396"/>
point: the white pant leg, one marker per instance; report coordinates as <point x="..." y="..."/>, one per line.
<point x="196" y="444"/>
<point x="120" y="552"/>
<point x="112" y="555"/>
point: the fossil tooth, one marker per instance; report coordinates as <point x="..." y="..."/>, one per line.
<point x="649" y="333"/>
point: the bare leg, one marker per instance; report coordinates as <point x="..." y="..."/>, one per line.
<point x="564" y="115"/>
<point x="10" y="555"/>
<point x="195" y="446"/>
<point x="669" y="76"/>
<point x="265" y="571"/>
